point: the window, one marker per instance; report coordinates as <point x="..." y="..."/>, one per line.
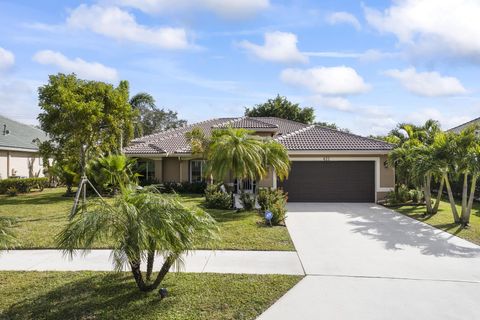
<point x="196" y="170"/>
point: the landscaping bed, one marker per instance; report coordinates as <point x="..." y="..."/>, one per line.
<point x="444" y="220"/>
<point x="41" y="215"/>
<point x="109" y="295"/>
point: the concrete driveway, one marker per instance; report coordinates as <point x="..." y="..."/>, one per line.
<point x="366" y="262"/>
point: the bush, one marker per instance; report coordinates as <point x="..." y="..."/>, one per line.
<point x="183" y="187"/>
<point x="404" y="195"/>
<point x="215" y="198"/>
<point x="23" y="185"/>
<point x="274" y="200"/>
<point x="12" y="192"/>
<point x="248" y="201"/>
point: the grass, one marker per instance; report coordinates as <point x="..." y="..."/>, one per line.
<point x="444" y="220"/>
<point x="108" y="295"/>
<point x="41" y="215"/>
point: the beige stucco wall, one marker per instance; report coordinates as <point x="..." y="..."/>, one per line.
<point x="18" y="161"/>
<point x="387" y="174"/>
<point x="171" y="169"/>
<point x="158" y="170"/>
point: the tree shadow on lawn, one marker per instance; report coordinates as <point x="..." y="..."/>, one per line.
<point x="98" y="296"/>
<point x="36" y="199"/>
<point x="397" y="230"/>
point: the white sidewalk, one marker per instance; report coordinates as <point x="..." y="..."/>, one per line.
<point x="247" y="262"/>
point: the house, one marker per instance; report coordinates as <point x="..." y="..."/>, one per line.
<point x="465" y="125"/>
<point x="18" y="152"/>
<point x="327" y="165"/>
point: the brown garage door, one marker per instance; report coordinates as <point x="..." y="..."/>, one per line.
<point x="331" y="181"/>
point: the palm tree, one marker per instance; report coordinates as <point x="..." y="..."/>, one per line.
<point x="245" y="156"/>
<point x="7" y="237"/>
<point x="276" y="157"/>
<point x="466" y="158"/>
<point x="141" y="102"/>
<point x="139" y="224"/>
<point x="111" y="171"/>
<point x="236" y="152"/>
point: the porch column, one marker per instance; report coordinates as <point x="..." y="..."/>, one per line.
<point x="159" y="170"/>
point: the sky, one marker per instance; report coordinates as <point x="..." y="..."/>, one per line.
<point x="364" y="65"/>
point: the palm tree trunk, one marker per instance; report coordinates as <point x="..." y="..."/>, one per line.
<point x="466" y="216"/>
<point x="439" y="196"/>
<point x="464" y="194"/>
<point x="150" y="260"/>
<point x="456" y="218"/>
<point x="169" y="261"/>
<point x="427" y="193"/>
<point x="137" y="275"/>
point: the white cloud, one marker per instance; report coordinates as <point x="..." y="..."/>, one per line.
<point x="337" y="103"/>
<point x="432" y="26"/>
<point x="18" y="99"/>
<point x="343" y="17"/>
<point x="7" y="59"/>
<point x="447" y="121"/>
<point x="119" y="24"/>
<point x="84" y="69"/>
<point x="236" y="9"/>
<point x="278" y="47"/>
<point x="340" y="80"/>
<point x="429" y="84"/>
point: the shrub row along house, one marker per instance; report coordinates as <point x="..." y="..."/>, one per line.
<point x="327" y="165"/>
<point x="18" y="152"/>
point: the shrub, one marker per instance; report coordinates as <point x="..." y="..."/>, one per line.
<point x="23" y="185"/>
<point x="404" y="195"/>
<point x="415" y="195"/>
<point x="248" y="201"/>
<point x="12" y="192"/>
<point x="274" y="200"/>
<point x="215" y="198"/>
<point x="183" y="187"/>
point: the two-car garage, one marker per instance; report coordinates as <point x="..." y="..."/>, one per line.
<point x="331" y="181"/>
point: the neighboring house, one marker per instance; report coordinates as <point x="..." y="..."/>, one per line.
<point x="18" y="153"/>
<point x="465" y="125"/>
<point x="327" y="165"/>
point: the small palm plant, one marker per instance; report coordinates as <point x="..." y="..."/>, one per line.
<point x="140" y="224"/>
<point x="7" y="237"/>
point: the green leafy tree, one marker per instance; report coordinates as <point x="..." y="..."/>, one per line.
<point x="140" y="224"/>
<point x="151" y="119"/>
<point x="282" y="108"/>
<point x="84" y="118"/>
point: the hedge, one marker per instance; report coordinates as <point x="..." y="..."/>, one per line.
<point x="22" y="185"/>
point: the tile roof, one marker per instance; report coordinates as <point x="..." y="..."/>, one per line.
<point x="293" y="135"/>
<point x="247" y="123"/>
<point x="326" y="139"/>
<point x="20" y="136"/>
<point x="465" y="125"/>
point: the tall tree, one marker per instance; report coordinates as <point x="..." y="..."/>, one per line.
<point x="282" y="108"/>
<point x="84" y="118"/>
<point x="150" y="118"/>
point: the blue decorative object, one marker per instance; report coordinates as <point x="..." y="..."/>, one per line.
<point x="269" y="216"/>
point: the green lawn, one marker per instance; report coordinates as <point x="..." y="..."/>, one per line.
<point x="41" y="215"/>
<point x="108" y="295"/>
<point x="444" y="220"/>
